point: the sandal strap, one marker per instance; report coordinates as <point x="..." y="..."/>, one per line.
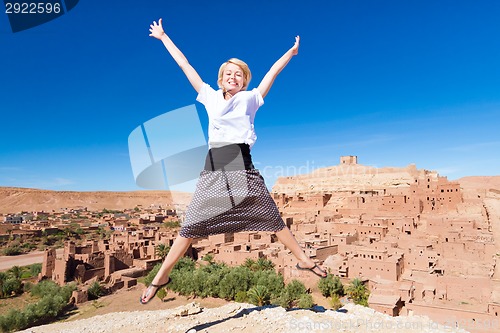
<point x="160" y="285"/>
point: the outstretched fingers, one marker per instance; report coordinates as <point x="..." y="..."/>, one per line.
<point x="295" y="48"/>
<point x="156" y="29"/>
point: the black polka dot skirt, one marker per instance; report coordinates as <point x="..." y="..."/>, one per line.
<point x="230" y="196"/>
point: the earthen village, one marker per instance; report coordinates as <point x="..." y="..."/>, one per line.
<point x="422" y="244"/>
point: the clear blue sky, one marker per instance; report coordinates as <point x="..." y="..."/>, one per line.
<point x="393" y="82"/>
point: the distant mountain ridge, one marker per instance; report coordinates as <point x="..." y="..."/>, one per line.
<point x="17" y="199"/>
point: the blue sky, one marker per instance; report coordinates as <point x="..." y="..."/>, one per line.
<point x="393" y="82"/>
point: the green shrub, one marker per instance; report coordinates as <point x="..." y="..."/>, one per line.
<point x="215" y="276"/>
<point x="9" y="322"/>
<point x="273" y="281"/>
<point x="291" y="294"/>
<point x="253" y="281"/>
<point x="12" y="286"/>
<point x="284" y="300"/>
<point x="45" y="287"/>
<point x="161" y="294"/>
<point x="35" y="269"/>
<point x="295" y="289"/>
<point x="208" y="258"/>
<point x="335" y="302"/>
<point x="27" y="286"/>
<point x="238" y="279"/>
<point x="52" y="302"/>
<point x="12" y="250"/>
<point x="305" y="301"/>
<point x="95" y="290"/>
<point x="200" y="283"/>
<point x="241" y="297"/>
<point x="172" y="224"/>
<point x="185" y="263"/>
<point x="331" y="285"/>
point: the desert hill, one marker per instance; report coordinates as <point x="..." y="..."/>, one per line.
<point x="14" y="200"/>
<point x="487" y="183"/>
<point x="356" y="177"/>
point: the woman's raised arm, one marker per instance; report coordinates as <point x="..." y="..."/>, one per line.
<point x="278" y="66"/>
<point x="157" y="32"/>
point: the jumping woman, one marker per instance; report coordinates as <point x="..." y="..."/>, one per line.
<point x="230" y="194"/>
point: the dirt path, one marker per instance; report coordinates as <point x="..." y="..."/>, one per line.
<point x="128" y="300"/>
<point x="7" y="262"/>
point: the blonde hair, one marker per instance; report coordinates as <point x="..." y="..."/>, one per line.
<point x="247" y="75"/>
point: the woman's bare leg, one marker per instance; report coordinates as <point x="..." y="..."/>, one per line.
<point x="286" y="237"/>
<point x="179" y="247"/>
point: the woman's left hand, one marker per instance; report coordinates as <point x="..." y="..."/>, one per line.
<point x="295" y="47"/>
<point x="156" y="29"/>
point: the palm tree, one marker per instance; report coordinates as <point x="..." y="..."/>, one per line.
<point x="357" y="291"/>
<point x="16" y="272"/>
<point x="161" y="250"/>
<point x="209" y="258"/>
<point x="249" y="263"/>
<point x="258" y="295"/>
<point x="263" y="264"/>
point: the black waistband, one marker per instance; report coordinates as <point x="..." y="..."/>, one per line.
<point x="231" y="157"/>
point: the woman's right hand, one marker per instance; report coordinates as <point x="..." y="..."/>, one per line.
<point x="156" y="30"/>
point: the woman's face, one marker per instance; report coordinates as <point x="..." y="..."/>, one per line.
<point x="232" y="78"/>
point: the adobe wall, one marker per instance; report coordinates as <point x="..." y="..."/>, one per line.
<point x="342" y="239"/>
<point x="122" y="260"/>
<point x="471" y="321"/>
<point x="59" y="272"/>
<point x="322" y="253"/>
<point x="306" y="228"/>
<point x="466" y="288"/>
<point x="93" y="273"/>
<point x="359" y="267"/>
<point x="221" y="238"/>
<point x="234" y="256"/>
<point x="48" y="263"/>
<point x="371" y="233"/>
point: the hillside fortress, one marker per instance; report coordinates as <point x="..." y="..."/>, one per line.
<point x="424" y="245"/>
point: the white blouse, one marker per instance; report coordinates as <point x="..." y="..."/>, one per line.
<point x="230" y="121"/>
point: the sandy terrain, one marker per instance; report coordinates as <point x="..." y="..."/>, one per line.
<point x="14" y="200"/>
<point x="7" y="262"/>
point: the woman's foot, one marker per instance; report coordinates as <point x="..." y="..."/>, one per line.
<point x="312" y="267"/>
<point x="151" y="290"/>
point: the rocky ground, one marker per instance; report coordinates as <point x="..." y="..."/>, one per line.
<point x="239" y="317"/>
